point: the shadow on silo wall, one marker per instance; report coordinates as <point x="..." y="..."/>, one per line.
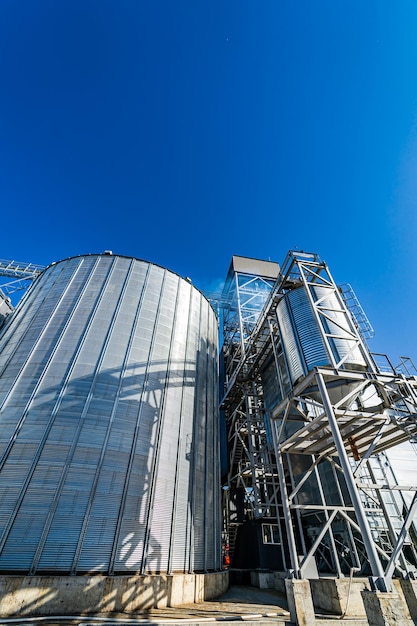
<point x="86" y="500"/>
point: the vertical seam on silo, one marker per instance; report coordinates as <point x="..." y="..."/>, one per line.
<point x="275" y="353"/>
<point x="206" y="444"/>
<point x="25" y="485"/>
<point x="189" y="514"/>
<point x="134" y="442"/>
<point x="21" y="421"/>
<point x="280" y="333"/>
<point x="23" y="301"/>
<point x="295" y="331"/>
<point x="93" y="489"/>
<point x="179" y="439"/>
<point x="193" y="468"/>
<point x="9" y="330"/>
<point x="212" y="439"/>
<point x="68" y="461"/>
<point x="155" y="463"/>
<point x="40" y="336"/>
<point x="216" y="445"/>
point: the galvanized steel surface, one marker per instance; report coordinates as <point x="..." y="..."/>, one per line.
<point x="304" y="340"/>
<point x="108" y="413"/>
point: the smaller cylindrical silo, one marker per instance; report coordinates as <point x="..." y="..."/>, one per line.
<point x="308" y="342"/>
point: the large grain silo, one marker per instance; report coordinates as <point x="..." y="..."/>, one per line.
<point x="109" y="431"/>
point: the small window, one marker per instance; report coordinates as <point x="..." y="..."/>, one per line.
<point x="270" y="534"/>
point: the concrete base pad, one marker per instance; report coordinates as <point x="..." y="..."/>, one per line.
<point x="339" y="596"/>
<point x="300" y="603"/>
<point x="386" y="609"/>
<point x="409" y="589"/>
<point x="69" y="595"/>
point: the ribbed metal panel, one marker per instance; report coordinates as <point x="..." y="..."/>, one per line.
<point x="199" y="452"/>
<point x="108" y="438"/>
<point x="292" y="351"/>
<point x="337" y="326"/>
<point x="304" y="340"/>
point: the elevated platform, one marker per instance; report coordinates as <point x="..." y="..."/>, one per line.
<point x="374" y="412"/>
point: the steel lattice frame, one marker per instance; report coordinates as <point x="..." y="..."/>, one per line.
<point x="322" y="420"/>
<point x="252" y="466"/>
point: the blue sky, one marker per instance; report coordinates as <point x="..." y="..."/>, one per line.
<point x="185" y="132"/>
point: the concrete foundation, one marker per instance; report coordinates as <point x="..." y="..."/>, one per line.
<point x="300" y="603"/>
<point x="330" y="595"/>
<point x="75" y="595"/>
<point x="385" y="609"/>
<point x="409" y="589"/>
<point x="310" y="600"/>
<point x="268" y="580"/>
<point x="338" y="596"/>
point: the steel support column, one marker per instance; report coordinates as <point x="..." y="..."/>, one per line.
<point x="374" y="562"/>
<point x="292" y="546"/>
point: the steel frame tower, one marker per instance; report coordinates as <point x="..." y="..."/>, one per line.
<point x="252" y="468"/>
<point x="332" y="422"/>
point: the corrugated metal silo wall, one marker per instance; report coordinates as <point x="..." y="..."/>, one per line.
<point x="302" y="337"/>
<point x="108" y="423"/>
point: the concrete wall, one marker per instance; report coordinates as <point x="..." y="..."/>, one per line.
<point x="75" y="595"/>
<point x="268" y="580"/>
<point x="335" y="595"/>
<point x="386" y="608"/>
<point x="330" y="595"/>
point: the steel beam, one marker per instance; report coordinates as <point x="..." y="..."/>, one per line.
<point x="374" y="562"/>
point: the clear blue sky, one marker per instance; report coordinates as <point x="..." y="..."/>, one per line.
<point x="185" y="132"/>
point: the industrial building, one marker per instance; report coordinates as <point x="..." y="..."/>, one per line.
<point x="111" y="439"/>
